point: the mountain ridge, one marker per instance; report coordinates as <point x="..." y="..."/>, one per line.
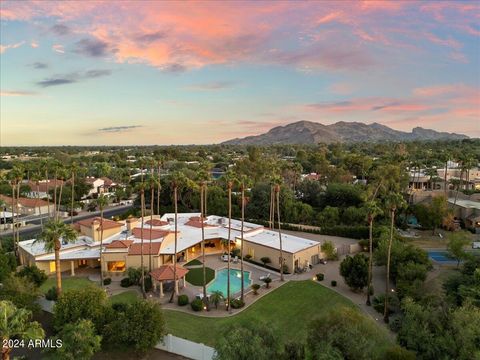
<point x="309" y="132"/>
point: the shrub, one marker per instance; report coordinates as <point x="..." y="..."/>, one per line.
<point x="247" y="257"/>
<point x="333" y="283"/>
<point x="255" y="288"/>
<point x="237" y="303"/>
<point x="8" y="264"/>
<point x="182" y="300"/>
<point x="378" y="303"/>
<point x="329" y="250"/>
<point x="398" y="353"/>
<point x="267" y="281"/>
<point x="134" y="274"/>
<point x="51" y="294"/>
<point x="34" y="274"/>
<point x="107" y="281"/>
<point x="20" y="291"/>
<point x="320" y="277"/>
<point x="265" y="260"/>
<point x="126" y="282"/>
<point x="197" y="305"/>
<point x="355" y="271"/>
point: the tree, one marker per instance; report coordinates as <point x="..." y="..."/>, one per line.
<point x="455" y="245"/>
<point x="101" y="202"/>
<point x="79" y="341"/>
<point x="247" y="341"/>
<point x="265" y="260"/>
<point x="282" y="260"/>
<point x="16" y="323"/>
<point x="355" y="271"/>
<point x="54" y="232"/>
<point x="140" y="325"/>
<point x="394" y="202"/>
<point x="73" y="171"/>
<point x="8" y="264"/>
<point x="202" y="222"/>
<point x="89" y="303"/>
<point x="216" y="297"/>
<point x="22" y="292"/>
<point x="153" y="183"/>
<point x="175" y="204"/>
<point x="373" y="210"/>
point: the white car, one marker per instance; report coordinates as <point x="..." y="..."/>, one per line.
<point x="476" y="245"/>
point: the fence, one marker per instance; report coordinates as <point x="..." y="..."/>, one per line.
<point x="186" y="348"/>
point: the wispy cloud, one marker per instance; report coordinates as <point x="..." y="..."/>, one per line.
<point x="39" y="65"/>
<point x="17" y="93"/>
<point x="117" y="129"/>
<point x="34" y="44"/>
<point x="73" y="77"/>
<point x="4" y="48"/>
<point x="58" y="48"/>
<point x="215" y="85"/>
<point x="60" y="29"/>
<point x="92" y="47"/>
<point x="149" y="37"/>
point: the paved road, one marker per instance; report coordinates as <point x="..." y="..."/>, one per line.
<point x="36" y="227"/>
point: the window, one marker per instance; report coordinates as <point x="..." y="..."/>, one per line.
<point x="116" y="266"/>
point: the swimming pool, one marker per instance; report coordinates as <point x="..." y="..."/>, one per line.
<point x="220" y="281"/>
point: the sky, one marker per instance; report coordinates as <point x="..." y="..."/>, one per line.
<point x="200" y="72"/>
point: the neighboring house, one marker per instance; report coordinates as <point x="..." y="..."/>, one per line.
<point x="43" y="189"/>
<point x="123" y="244"/>
<point x="97" y="185"/>
<point x="27" y="206"/>
<point x="467" y="210"/>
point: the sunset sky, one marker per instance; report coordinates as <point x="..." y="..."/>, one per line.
<point x="152" y="72"/>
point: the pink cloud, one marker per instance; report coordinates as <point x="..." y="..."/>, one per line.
<point x="4" y="48"/>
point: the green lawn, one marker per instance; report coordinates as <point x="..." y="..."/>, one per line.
<point x="195" y="276"/>
<point x="193" y="262"/>
<point x="288" y="309"/>
<point x="68" y="283"/>
<point x="126" y="297"/>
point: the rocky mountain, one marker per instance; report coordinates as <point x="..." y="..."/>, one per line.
<point x="308" y="132"/>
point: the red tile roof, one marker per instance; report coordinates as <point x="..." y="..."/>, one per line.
<point x="136" y="248"/>
<point x="44" y="186"/>
<point x="107" y="181"/>
<point x="156" y="222"/>
<point x="165" y="272"/>
<point x="197" y="223"/>
<point x="107" y="224"/>
<point x="25" y="202"/>
<point x="119" y="244"/>
<point x="156" y="234"/>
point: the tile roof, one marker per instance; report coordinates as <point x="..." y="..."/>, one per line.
<point x="165" y="272"/>
<point x="120" y="244"/>
<point x="136" y="248"/>
<point x="156" y="234"/>
<point x="156" y="222"/>
<point x="44" y="186"/>
<point x="25" y="202"/>
<point x="107" y="224"/>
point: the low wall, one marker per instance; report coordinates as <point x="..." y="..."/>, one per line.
<point x="186" y="348"/>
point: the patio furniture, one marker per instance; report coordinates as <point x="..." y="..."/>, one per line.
<point x="224" y="258"/>
<point x="235" y="260"/>
<point x="263" y="277"/>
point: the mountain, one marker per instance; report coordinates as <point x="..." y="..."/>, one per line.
<point x="308" y="132"/>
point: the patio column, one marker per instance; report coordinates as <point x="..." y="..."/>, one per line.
<point x="155" y="286"/>
<point x="161" y="288"/>
<point x="72" y="268"/>
<point x="176" y="287"/>
<point x="184" y="283"/>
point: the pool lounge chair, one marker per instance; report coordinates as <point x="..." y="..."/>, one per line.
<point x="263" y="277"/>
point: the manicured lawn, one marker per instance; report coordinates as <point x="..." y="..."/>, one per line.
<point x="68" y="283"/>
<point x="193" y="262"/>
<point x="195" y="276"/>
<point x="288" y="309"/>
<point x="126" y="297"/>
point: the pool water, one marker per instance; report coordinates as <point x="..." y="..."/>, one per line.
<point x="220" y="281"/>
<point x="441" y="257"/>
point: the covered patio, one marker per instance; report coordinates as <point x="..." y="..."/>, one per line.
<point x="165" y="273"/>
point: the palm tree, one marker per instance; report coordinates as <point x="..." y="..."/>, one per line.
<point x="56" y="166"/>
<point x="62" y="174"/>
<point x="204" y="282"/>
<point x="244" y="182"/>
<point x="175" y="204"/>
<point x="277" y="193"/>
<point x="13" y="184"/>
<point x="159" y="185"/>
<point x="44" y="165"/>
<point x="73" y="170"/>
<point x="142" y="204"/>
<point x="15" y="323"/>
<point x="229" y="187"/>
<point x="101" y="202"/>
<point x="394" y="201"/>
<point x="53" y="232"/>
<point x="373" y="211"/>
<point x="216" y="297"/>
<point x="36" y="176"/>
<point x="153" y="183"/>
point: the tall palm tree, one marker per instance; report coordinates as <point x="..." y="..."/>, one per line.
<point x="153" y="183"/>
<point x="394" y="201"/>
<point x="44" y="165"/>
<point x="54" y="232"/>
<point x="243" y="184"/>
<point x="56" y="166"/>
<point x="159" y="185"/>
<point x="142" y="204"/>
<point x="373" y="210"/>
<point x="229" y="188"/>
<point x="277" y="193"/>
<point x="61" y="174"/>
<point x="16" y="323"/>
<point x="101" y="202"/>
<point x="35" y="177"/>
<point x="73" y="171"/>
<point x="13" y="184"/>
<point x="202" y="205"/>
<point x="175" y="205"/>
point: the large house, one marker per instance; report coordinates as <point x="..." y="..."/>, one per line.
<point x="122" y="244"/>
<point x="27" y="206"/>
